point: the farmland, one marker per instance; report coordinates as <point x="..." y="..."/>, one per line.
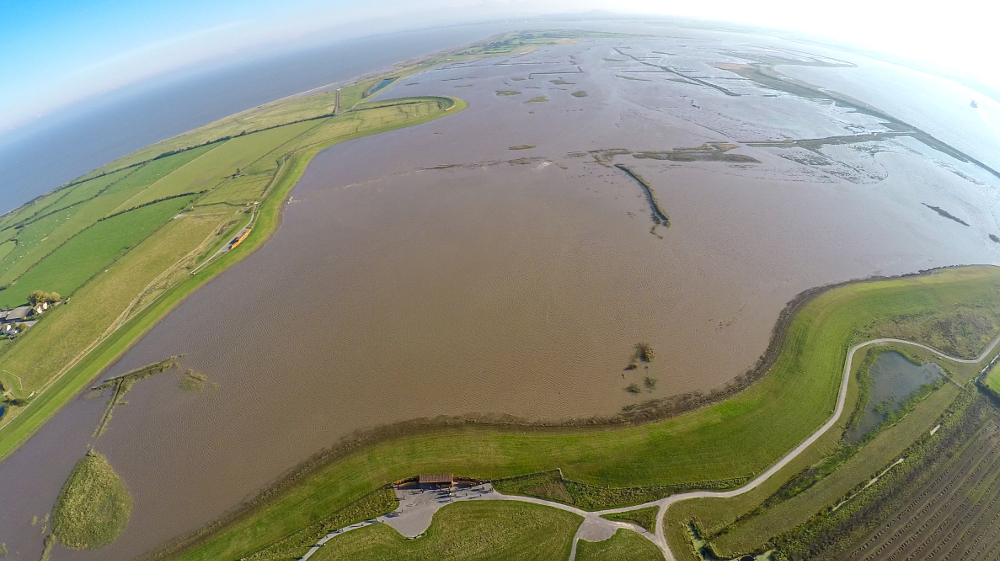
<point x="939" y="504"/>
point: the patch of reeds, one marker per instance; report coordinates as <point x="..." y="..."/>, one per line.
<point x="93" y="506"/>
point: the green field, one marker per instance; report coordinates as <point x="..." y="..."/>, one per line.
<point x="90" y="252"/>
<point x="992" y="379"/>
<point x="625" y="545"/>
<point x="43" y="234"/>
<point x="466" y="531"/>
<point x="737" y="438"/>
<point x="644" y="517"/>
<point x="93" y="507"/>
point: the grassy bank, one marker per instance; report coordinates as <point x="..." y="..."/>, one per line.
<point x="93" y="507"/>
<point x="819" y="478"/>
<point x="644" y="517"/>
<point x="625" y="545"/>
<point x="737" y="438"/>
<point x="466" y="531"/>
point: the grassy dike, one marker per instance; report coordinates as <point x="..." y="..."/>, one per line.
<point x="48" y="402"/>
<point x="739" y="437"/>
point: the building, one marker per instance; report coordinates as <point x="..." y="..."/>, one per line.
<point x="17" y="314"/>
<point x="436" y="481"/>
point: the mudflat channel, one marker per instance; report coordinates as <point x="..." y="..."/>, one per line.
<point x="434" y="271"/>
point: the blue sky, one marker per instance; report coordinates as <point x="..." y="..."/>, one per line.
<point x="53" y="53"/>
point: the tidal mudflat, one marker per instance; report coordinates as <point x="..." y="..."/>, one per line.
<point x="433" y="271"/>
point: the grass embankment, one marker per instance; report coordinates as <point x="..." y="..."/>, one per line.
<point x="40" y="355"/>
<point x="643" y="517"/>
<point x="832" y="468"/>
<point x="93" y="507"/>
<point x="550" y="485"/>
<point x="625" y="545"/>
<point x="737" y="438"/>
<point x="320" y="103"/>
<point x="466" y="531"/>
<point x="376" y="504"/>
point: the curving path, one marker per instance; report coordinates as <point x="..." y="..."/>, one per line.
<point x="596" y="528"/>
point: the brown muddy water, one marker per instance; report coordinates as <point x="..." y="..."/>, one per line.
<point x="434" y="271"/>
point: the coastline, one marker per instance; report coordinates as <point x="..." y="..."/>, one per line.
<point x="500" y="425"/>
<point x="59" y="391"/>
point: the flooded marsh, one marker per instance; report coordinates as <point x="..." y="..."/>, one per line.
<point x="430" y="271"/>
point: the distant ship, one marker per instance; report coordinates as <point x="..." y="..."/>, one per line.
<point x="973" y="104"/>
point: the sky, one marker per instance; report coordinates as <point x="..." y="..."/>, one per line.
<point x="55" y="53"/>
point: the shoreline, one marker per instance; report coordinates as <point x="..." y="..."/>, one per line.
<point x="104" y="352"/>
<point x="658" y="411"/>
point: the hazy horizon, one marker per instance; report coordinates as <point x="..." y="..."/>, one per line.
<point x="62" y="56"/>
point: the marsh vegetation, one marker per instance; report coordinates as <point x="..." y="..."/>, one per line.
<point x="120" y="385"/>
<point x="93" y="507"/>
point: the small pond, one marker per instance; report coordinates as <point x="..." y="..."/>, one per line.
<point x="894" y="378"/>
<point x="380" y="86"/>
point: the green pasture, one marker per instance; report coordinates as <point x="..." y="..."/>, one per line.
<point x="88" y="253"/>
<point x="46" y="231"/>
<point x="624" y="545"/>
<point x="466" y="531"/>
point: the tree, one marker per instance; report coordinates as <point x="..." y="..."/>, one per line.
<point x="39" y="296"/>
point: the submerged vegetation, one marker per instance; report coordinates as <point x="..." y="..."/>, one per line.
<point x="658" y="215"/>
<point x="93" y="507"/>
<point x="195" y="382"/>
<point x="120" y="385"/>
<point x="538" y="99"/>
<point x="708" y="152"/>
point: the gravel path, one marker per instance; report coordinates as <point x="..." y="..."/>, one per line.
<point x="417" y="507"/>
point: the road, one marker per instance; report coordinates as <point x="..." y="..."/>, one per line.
<point x="416" y="508"/>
